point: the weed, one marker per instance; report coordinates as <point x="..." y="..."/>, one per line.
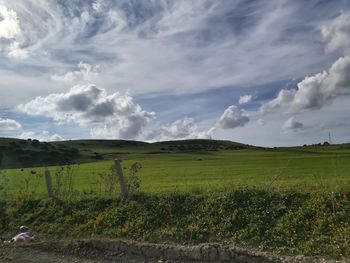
<point x="64" y="179"/>
<point x="134" y="181"/>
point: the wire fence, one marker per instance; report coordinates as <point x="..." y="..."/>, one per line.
<point x="64" y="181"/>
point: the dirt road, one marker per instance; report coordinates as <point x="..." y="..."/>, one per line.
<point x="103" y="251"/>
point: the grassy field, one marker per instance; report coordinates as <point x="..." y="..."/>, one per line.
<point x="287" y="200"/>
<point x="198" y="166"/>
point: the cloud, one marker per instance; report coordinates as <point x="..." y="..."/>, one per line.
<point x="11" y="31"/>
<point x="210" y="44"/>
<point x="315" y="92"/>
<point x="85" y="72"/>
<point x="338" y="33"/>
<point x="9" y="23"/>
<point x="261" y="122"/>
<point x="182" y="129"/>
<point x="292" y="124"/>
<point x="199" y="46"/>
<point x="9" y="125"/>
<point x="41" y="136"/>
<point x="128" y="127"/>
<point x="88" y="105"/>
<point x="96" y="6"/>
<point x="232" y="117"/>
<point x="284" y="97"/>
<point x="178" y="130"/>
<point x="245" y="99"/>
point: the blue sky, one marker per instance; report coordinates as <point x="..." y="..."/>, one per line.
<point x="260" y="72"/>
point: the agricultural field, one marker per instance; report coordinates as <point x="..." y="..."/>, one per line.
<point x="183" y="166"/>
<point x="285" y="200"/>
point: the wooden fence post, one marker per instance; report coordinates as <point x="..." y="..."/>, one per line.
<point x="123" y="186"/>
<point x="48" y="183"/>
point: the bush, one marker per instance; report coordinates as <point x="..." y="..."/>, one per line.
<point x="288" y="222"/>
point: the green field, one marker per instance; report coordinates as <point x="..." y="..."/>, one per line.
<point x="194" y="166"/>
<point x="287" y="200"/>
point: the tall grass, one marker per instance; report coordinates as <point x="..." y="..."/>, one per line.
<point x="285" y="221"/>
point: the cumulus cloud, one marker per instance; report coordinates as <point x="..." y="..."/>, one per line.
<point x="89" y="105"/>
<point x="232" y="117"/>
<point x="182" y="129"/>
<point x="178" y="130"/>
<point x="284" y="97"/>
<point x="338" y="33"/>
<point x="314" y="92"/>
<point x="41" y="136"/>
<point x="292" y="124"/>
<point x="9" y="125"/>
<point x="245" y="99"/>
<point x="85" y="72"/>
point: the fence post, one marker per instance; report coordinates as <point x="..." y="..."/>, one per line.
<point x="48" y="183"/>
<point x="123" y="186"/>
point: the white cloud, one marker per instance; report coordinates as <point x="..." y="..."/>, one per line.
<point x="89" y="105"/>
<point x="284" y="97"/>
<point x="292" y="124"/>
<point x="245" y="99"/>
<point x="9" y="23"/>
<point x="178" y="130"/>
<point x="319" y="90"/>
<point x="85" y="72"/>
<point x="232" y="117"/>
<point x="41" y="136"/>
<point x="9" y="125"/>
<point x="96" y="6"/>
<point x="154" y="46"/>
<point x="182" y="129"/>
<point x="11" y="31"/>
<point x="15" y="51"/>
<point x="338" y="33"/>
<point x="315" y="92"/>
<point x="198" y="40"/>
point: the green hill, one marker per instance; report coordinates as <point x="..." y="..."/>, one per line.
<point x="16" y="153"/>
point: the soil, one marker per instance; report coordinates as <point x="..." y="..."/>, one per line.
<point x="103" y="251"/>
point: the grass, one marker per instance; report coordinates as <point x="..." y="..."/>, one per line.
<point x="287" y="200"/>
<point x="283" y="222"/>
<point x="310" y="168"/>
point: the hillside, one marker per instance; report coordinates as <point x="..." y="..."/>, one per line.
<point x="16" y="153"/>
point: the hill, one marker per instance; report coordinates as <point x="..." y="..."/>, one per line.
<point x="16" y="153"/>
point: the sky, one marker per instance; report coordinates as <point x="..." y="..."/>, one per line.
<point x="268" y="73"/>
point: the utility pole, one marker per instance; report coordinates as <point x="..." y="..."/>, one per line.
<point x="329" y="138"/>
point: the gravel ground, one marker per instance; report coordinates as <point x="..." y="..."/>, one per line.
<point x="34" y="254"/>
<point x="103" y="251"/>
